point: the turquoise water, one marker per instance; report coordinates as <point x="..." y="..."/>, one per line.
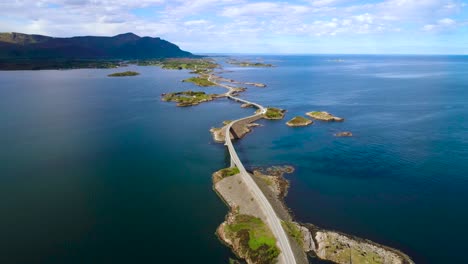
<point x="98" y="169"/>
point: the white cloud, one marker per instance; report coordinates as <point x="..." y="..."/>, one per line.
<point x="231" y="22"/>
<point x="441" y="25"/>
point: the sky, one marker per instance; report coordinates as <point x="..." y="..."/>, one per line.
<point x="265" y="27"/>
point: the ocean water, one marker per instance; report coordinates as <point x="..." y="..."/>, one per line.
<point x="99" y="170"/>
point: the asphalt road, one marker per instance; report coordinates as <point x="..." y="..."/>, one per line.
<point x="272" y="220"/>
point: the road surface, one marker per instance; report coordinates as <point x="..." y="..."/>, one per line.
<point x="272" y="220"/>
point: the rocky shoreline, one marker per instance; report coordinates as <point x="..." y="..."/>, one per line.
<point x="317" y="242"/>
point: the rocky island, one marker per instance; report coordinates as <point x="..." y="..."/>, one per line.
<point x="344" y="134"/>
<point x="200" y="81"/>
<point x="324" y="116"/>
<point x="248" y="63"/>
<point x="189" y="98"/>
<point x="273" y="113"/>
<point x="124" y="74"/>
<point x="299" y="121"/>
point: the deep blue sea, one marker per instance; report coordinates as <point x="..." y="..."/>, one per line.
<point x="98" y="170"/>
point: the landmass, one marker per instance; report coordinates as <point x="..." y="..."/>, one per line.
<point x="248" y="63"/>
<point x="189" y="98"/>
<point x="306" y="238"/>
<point x="20" y="51"/>
<point x="198" y="66"/>
<point x="274" y="113"/>
<point x="200" y="81"/>
<point x="344" y="134"/>
<point x="299" y="121"/>
<point x="261" y="85"/>
<point x="324" y="116"/>
<point x="123" y="74"/>
<point x="238" y="130"/>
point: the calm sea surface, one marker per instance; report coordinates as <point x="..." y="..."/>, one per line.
<point x="98" y="170"/>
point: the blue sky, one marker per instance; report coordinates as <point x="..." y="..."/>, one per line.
<point x="241" y="26"/>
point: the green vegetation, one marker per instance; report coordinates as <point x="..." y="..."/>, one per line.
<point x="249" y="64"/>
<point x="227" y="122"/>
<point x="147" y="62"/>
<point x="200" y="81"/>
<point x="123" y="74"/>
<point x="274" y="113"/>
<point x="44" y="64"/>
<point x="255" y="238"/>
<point x="229" y="172"/>
<point x="292" y="229"/>
<point x="196" y="65"/>
<point x="223" y="173"/>
<point x="299" y="121"/>
<point x="188" y="98"/>
<point x="128" y="46"/>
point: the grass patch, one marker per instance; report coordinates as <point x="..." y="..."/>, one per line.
<point x="200" y="81"/>
<point x="293" y="231"/>
<point x="229" y="172"/>
<point x="256" y="239"/>
<point x="223" y="173"/>
<point x="196" y="65"/>
<point x="274" y="113"/>
<point x="188" y="98"/>
<point x="299" y="121"/>
<point x="123" y="74"/>
<point x="249" y="64"/>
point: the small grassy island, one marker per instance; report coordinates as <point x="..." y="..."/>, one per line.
<point x="249" y="64"/>
<point x="299" y="121"/>
<point x="188" y="98"/>
<point x="255" y="240"/>
<point x="124" y="74"/>
<point x="274" y="113"/>
<point x="197" y="66"/>
<point x="200" y="81"/>
<point x="324" y="116"/>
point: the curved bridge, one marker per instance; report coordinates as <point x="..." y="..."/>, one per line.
<point x="272" y="220"/>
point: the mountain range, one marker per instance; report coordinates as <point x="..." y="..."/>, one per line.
<point x="128" y="46"/>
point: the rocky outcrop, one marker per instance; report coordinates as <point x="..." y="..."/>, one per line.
<point x="299" y="121"/>
<point x="343" y="249"/>
<point x="260" y="85"/>
<point x="324" y="116"/>
<point x="344" y="134"/>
